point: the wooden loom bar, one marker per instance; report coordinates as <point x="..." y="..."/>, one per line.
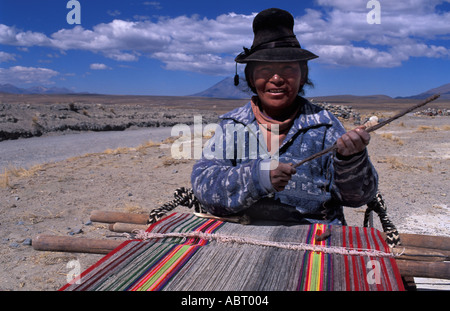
<point x="438" y="270"/>
<point x="420" y="253"/>
<point x="113" y="217"/>
<point x="125" y="227"/>
<point x="426" y="241"/>
<point x="74" y="245"/>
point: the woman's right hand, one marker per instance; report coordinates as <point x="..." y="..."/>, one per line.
<point x="281" y="175"/>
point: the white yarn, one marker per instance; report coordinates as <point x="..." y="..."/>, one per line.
<point x="143" y="235"/>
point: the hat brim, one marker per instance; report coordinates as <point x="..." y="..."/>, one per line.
<point x="276" y="55"/>
<point x="283" y="54"/>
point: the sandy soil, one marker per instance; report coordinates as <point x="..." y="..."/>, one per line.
<point x="412" y="157"/>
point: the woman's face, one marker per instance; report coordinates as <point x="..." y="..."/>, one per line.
<point x="277" y="86"/>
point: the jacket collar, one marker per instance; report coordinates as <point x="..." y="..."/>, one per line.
<point x="310" y="116"/>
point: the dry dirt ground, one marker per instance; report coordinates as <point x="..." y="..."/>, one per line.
<point x="412" y="157"/>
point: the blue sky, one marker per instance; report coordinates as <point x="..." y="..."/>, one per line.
<point x="183" y="47"/>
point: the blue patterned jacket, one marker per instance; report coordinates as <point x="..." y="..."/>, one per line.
<point x="229" y="178"/>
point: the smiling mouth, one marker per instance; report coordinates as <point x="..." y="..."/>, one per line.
<point x="276" y="91"/>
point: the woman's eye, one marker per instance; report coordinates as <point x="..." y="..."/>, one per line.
<point x="264" y="72"/>
<point x="288" y="70"/>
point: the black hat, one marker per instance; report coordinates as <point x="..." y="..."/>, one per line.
<point x="274" y="39"/>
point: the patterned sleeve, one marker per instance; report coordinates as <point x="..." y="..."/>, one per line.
<point x="223" y="185"/>
<point x="355" y="179"/>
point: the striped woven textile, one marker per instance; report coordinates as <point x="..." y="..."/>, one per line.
<point x="210" y="255"/>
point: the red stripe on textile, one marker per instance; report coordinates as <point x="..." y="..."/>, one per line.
<point x="346" y="260"/>
<point x="383" y="267"/>
<point x="322" y="275"/>
<point x="350" y="244"/>
<point x="365" y="285"/>
<point x="330" y="278"/>
<point x="396" y="272"/>
<point x="371" y="245"/>
<point x="310" y="258"/>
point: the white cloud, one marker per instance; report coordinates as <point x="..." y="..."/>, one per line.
<point x="341" y="35"/>
<point x="27" y="75"/>
<point x="98" y="66"/>
<point x="12" y="36"/>
<point x="6" y="57"/>
<point x="417" y="6"/>
<point x="215" y="41"/>
<point x="338" y="33"/>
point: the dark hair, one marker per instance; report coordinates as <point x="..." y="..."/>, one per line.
<point x="304" y="69"/>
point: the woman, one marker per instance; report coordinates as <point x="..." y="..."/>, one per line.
<point x="259" y="179"/>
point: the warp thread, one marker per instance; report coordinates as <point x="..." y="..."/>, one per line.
<point x="220" y="238"/>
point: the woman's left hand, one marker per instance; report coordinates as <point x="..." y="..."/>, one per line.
<point x="353" y="141"/>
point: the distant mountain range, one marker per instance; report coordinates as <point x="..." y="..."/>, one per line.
<point x="9" y="88"/>
<point x="226" y="89"/>
<point x="223" y="89"/>
<point x="444" y="90"/>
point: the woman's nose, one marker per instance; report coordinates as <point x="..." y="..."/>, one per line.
<point x="276" y="78"/>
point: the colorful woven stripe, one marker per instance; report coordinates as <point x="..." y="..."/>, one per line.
<point x="356" y="273"/>
<point x="171" y="262"/>
<point x="316" y="266"/>
<point x="137" y="265"/>
<point x="192" y="263"/>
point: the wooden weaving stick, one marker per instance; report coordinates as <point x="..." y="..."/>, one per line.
<point x="372" y="128"/>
